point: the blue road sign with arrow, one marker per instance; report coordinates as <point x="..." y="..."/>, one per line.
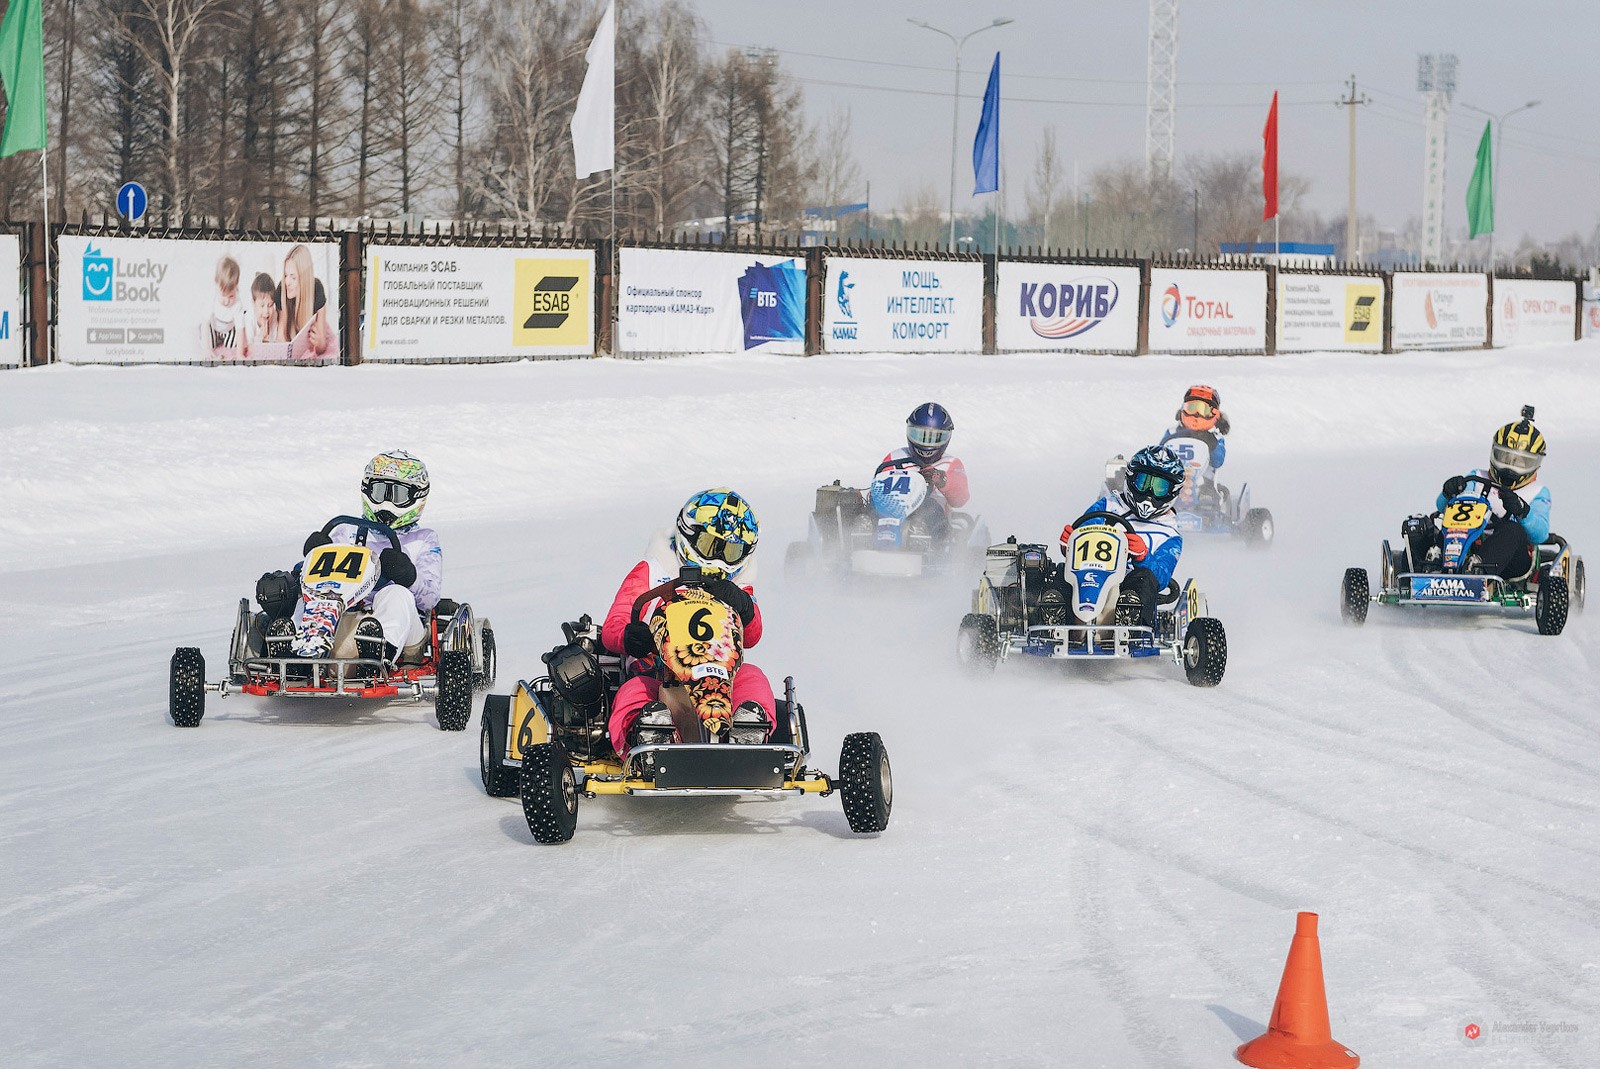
<point x="132" y="201"/>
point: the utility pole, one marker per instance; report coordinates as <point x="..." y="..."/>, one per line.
<point x="1351" y="249"/>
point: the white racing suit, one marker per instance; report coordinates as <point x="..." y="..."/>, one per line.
<point x="399" y="611"/>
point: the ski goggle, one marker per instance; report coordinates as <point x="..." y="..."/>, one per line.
<point x="1156" y="486"/>
<point x="712" y="546"/>
<point x="399" y="494"/>
<point x="1518" y="460"/>
<point x="928" y="437"/>
<point x="1203" y="409"/>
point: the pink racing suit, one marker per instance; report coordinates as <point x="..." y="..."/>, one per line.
<point x="750" y="684"/>
<point x="954" y="493"/>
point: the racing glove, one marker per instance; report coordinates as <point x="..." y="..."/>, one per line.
<point x="936" y="478"/>
<point x="637" y="641"/>
<point x="1138" y="548"/>
<point x="733" y="596"/>
<point x="1512" y="502"/>
<point x="397" y="567"/>
<point x="1454" y="485"/>
<point x="314" y="540"/>
<point x="1066" y="536"/>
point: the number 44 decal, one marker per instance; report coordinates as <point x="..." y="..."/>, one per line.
<point x="328" y="562"/>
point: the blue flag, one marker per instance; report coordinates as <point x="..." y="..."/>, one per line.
<point x="986" y="146"/>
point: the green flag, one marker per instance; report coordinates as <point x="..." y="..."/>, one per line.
<point x="1480" y="191"/>
<point x="22" y="70"/>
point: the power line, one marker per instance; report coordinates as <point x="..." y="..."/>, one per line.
<point x="1048" y="100"/>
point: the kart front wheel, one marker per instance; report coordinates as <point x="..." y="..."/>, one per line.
<point x="1205" y="651"/>
<point x="1550" y="605"/>
<point x="483" y="678"/>
<point x="1579" y="588"/>
<point x="978" y="643"/>
<point x="1354" y="596"/>
<point x="1258" y="527"/>
<point x="452" y="706"/>
<point x="498" y="780"/>
<point x="186" y="701"/>
<point x="549" y="793"/>
<point x="865" y="784"/>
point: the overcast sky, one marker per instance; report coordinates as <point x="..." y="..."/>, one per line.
<point x="1081" y="67"/>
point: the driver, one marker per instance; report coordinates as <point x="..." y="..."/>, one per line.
<point x="716" y="532"/>
<point x="1519" y="514"/>
<point x="394" y="488"/>
<point x="929" y="429"/>
<point x="1148" y="489"/>
<point x="1201" y="417"/>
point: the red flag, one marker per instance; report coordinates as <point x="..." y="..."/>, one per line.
<point x="1269" y="162"/>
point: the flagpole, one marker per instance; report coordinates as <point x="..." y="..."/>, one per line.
<point x="44" y="169"/>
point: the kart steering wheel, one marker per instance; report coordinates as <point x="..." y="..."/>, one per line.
<point x="1102" y="514"/>
<point x="909" y="463"/>
<point x="689" y="575"/>
<point x="365" y="525"/>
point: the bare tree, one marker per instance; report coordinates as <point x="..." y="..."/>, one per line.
<point x="669" y="82"/>
<point x="837" y="178"/>
<point x="1046" y="200"/>
<point x="178" y="30"/>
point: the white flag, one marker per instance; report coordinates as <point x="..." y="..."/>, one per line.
<point x="594" y="123"/>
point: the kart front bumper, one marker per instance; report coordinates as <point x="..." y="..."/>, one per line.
<point x="1088" y="641"/>
<point x="328" y="677"/>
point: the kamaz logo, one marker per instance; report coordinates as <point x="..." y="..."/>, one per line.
<point x="552" y="303"/>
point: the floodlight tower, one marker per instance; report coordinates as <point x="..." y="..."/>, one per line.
<point x="1436" y="78"/>
<point x="1161" y="94"/>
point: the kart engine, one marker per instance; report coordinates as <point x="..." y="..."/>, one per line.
<point x="1016" y="571"/>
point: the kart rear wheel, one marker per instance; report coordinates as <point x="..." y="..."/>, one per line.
<point x="1257" y="525"/>
<point x="452" y="705"/>
<point x="1550" y="605"/>
<point x="498" y="780"/>
<point x="1354" y="596"/>
<point x="978" y="643"/>
<point x="1205" y="651"/>
<point x="483" y="678"/>
<point x="1579" y="587"/>
<point x="797" y="561"/>
<point x="549" y="793"/>
<point x="866" y="785"/>
<point x="186" y="700"/>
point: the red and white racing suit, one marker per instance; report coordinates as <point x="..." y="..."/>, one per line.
<point x="954" y="493"/>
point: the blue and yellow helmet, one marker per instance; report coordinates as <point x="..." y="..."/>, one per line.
<point x="717" y="529"/>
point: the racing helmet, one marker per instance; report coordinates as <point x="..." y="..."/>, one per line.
<point x="928" y="431"/>
<point x="1201" y="409"/>
<point x="717" y="531"/>
<point x="1151" y="481"/>
<point x="1517" y="452"/>
<point x="394" y="488"/>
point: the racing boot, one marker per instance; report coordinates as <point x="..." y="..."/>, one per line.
<point x="653" y="727"/>
<point x="1052" y="606"/>
<point x="750" y="725"/>
<point x="370" y="645"/>
<point x="278" y="634"/>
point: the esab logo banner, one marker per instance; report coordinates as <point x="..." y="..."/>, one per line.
<point x="1363" y="312"/>
<point x="551" y="304"/>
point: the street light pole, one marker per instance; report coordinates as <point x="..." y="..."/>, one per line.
<point x="1494" y="178"/>
<point x="955" y="106"/>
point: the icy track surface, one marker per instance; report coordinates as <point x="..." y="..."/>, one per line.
<point x="1083" y="868"/>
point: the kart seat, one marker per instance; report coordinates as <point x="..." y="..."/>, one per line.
<point x="1169" y="594"/>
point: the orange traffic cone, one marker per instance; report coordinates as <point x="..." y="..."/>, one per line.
<point x="1299" y="1037"/>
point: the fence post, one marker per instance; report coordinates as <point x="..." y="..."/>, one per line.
<point x="1270" y="346"/>
<point x="352" y="259"/>
<point x="1142" y="347"/>
<point x="39" y="293"/>
<point x="1388" y="310"/>
<point x="991" y="297"/>
<point x="1488" y="315"/>
<point x="605" y="308"/>
<point x="814" y="298"/>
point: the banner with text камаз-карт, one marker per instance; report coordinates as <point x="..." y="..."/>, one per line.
<point x="677" y="301"/>
<point x="1534" y="311"/>
<point x="181" y="301"/>
<point x="430" y="303"/>
<point x="1207" y="311"/>
<point x="1438" y="310"/>
<point x="1330" y="313"/>
<point x="1066" y="308"/>
<point x="902" y="306"/>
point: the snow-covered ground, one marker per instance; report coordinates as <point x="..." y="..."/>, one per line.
<point x="1083" y="868"/>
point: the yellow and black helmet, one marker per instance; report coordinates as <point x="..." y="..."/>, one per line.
<point x="1517" y="452"/>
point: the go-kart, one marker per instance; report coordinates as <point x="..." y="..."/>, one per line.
<point x="1555" y="582"/>
<point x="893" y="528"/>
<point x="548" y="739"/>
<point x="1206" y="506"/>
<point x="321" y="659"/>
<point x="1025" y="605"/>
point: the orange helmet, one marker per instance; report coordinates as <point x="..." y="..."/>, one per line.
<point x="1202" y="407"/>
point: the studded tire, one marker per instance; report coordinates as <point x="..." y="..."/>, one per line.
<point x="978" y="643"/>
<point x="1550" y="605"/>
<point x="483" y="679"/>
<point x="452" y="706"/>
<point x="1205" y="651"/>
<point x="1354" y="595"/>
<point x="1580" y="587"/>
<point x="549" y="793"/>
<point x="499" y="781"/>
<point x="186" y="698"/>
<point x="866" y="786"/>
<point x="1258" y="528"/>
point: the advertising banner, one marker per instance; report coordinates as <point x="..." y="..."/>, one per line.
<point x="1195" y="310"/>
<point x="1329" y="313"/>
<point x="428" y="303"/>
<point x="1591" y="310"/>
<point x="1440" y="311"/>
<point x="902" y="306"/>
<point x="673" y="301"/>
<point x="158" y="300"/>
<point x="11" y="332"/>
<point x="1534" y="311"/>
<point x="1067" y="308"/>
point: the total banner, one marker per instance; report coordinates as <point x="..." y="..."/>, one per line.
<point x="1329" y="313"/>
<point x="172" y="301"/>
<point x="11" y="332"/>
<point x="1439" y="311"/>
<point x="902" y="306"/>
<point x="1534" y="311"/>
<point x="675" y="301"/>
<point x="430" y="304"/>
<point x="1195" y="310"/>
<point x="1067" y="308"/>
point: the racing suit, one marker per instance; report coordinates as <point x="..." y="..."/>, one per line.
<point x="1217" y="443"/>
<point x="660" y="566"/>
<point x="947" y="488"/>
<point x="398" y="610"/>
<point x="1506" y="548"/>
<point x="1153" y="555"/>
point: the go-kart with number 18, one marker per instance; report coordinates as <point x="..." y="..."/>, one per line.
<point x="548" y="739"/>
<point x="1025" y="605"/>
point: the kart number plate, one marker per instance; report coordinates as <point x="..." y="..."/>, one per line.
<point x="1464" y="515"/>
<point x="698" y="621"/>
<point x="1095" y="549"/>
